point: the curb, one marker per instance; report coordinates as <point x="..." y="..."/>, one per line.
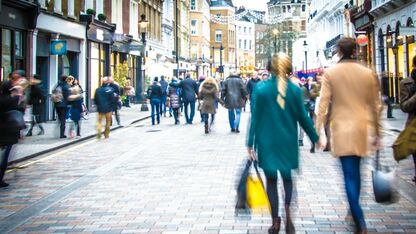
<point x="68" y="144"/>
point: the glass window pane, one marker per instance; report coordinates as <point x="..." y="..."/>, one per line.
<point x="94" y="50"/>
<point x="18" y="44"/>
<point x="6" y="53"/>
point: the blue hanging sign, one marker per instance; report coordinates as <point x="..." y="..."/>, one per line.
<point x="58" y="47"/>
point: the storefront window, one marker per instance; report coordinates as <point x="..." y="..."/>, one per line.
<point x="6" y="57"/>
<point x="95" y="67"/>
<point x="400" y="62"/>
<point x="18" y="44"/>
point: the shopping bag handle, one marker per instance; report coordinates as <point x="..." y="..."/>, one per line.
<point x="377" y="160"/>
<point x="255" y="164"/>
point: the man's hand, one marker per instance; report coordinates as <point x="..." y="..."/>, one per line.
<point x="251" y="154"/>
<point x="322" y="142"/>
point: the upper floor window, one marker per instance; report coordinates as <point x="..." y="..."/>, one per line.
<point x="284" y="9"/>
<point x="303" y="8"/>
<point x="218" y="36"/>
<point x="193" y="5"/>
<point x="194" y="30"/>
<point x="239" y="43"/>
<point x="245" y="29"/>
<point x="249" y="30"/>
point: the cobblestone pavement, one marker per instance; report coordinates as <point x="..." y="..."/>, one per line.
<point x="175" y="179"/>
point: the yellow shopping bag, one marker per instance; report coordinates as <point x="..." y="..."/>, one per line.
<point x="257" y="199"/>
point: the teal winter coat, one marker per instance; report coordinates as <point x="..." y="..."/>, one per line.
<point x="273" y="131"/>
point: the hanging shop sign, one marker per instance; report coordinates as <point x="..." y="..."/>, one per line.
<point x="58" y="47"/>
<point x="362" y="40"/>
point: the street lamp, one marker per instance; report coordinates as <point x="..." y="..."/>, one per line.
<point x="143" y="29"/>
<point x="275" y="32"/>
<point x="210" y="64"/>
<point x="305" y="49"/>
<point x="221" y="67"/>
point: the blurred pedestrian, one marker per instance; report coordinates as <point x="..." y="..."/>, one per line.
<point x="189" y="93"/>
<point x="352" y="91"/>
<point x="75" y="102"/>
<point x="37" y="100"/>
<point x="408" y="100"/>
<point x="385" y="94"/>
<point x="251" y="83"/>
<point x="208" y="96"/>
<point x="175" y="98"/>
<point x="104" y="99"/>
<point x="60" y="100"/>
<point x="154" y="93"/>
<point x="310" y="87"/>
<point x="11" y="104"/>
<point x="199" y="83"/>
<point x="164" y="85"/>
<point x="128" y="92"/>
<point x="117" y="93"/>
<point x="276" y="110"/>
<point x="234" y="95"/>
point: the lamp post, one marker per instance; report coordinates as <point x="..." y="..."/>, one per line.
<point x="210" y="64"/>
<point x="275" y="32"/>
<point x="395" y="50"/>
<point x="221" y="67"/>
<point x="143" y="28"/>
<point x="305" y="49"/>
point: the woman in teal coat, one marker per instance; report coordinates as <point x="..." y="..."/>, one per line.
<point x="276" y="109"/>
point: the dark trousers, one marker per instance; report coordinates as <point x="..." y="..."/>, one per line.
<point x="205" y="117"/>
<point x="116" y="115"/>
<point x="4" y="160"/>
<point x="272" y="192"/>
<point x="352" y="180"/>
<point x="176" y="114"/>
<point x="62" y="113"/>
<point x="189" y="117"/>
<point x="155" y="110"/>
<point x="163" y="105"/>
<point x="35" y="121"/>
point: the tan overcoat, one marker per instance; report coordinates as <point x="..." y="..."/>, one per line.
<point x="353" y="92"/>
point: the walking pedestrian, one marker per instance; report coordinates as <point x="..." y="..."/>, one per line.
<point x="199" y="83"/>
<point x="251" y="83"/>
<point x="128" y="92"/>
<point x="117" y="93"/>
<point x="234" y="95"/>
<point x="37" y="100"/>
<point x="154" y="94"/>
<point x="276" y="110"/>
<point x="11" y="102"/>
<point x="164" y="85"/>
<point x="60" y="100"/>
<point x="408" y="100"/>
<point x="353" y="92"/>
<point x="104" y="99"/>
<point x="385" y="94"/>
<point x="208" y="96"/>
<point x="175" y="98"/>
<point x="189" y="92"/>
<point x="75" y="102"/>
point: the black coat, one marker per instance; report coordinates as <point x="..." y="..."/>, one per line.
<point x="164" y="85"/>
<point x="8" y="135"/>
<point x="65" y="93"/>
<point x="234" y="93"/>
<point x="104" y="99"/>
<point x="189" y="90"/>
<point x="155" y="91"/>
<point x="37" y="100"/>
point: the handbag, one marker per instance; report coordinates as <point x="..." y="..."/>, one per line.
<point x="405" y="144"/>
<point x="383" y="183"/>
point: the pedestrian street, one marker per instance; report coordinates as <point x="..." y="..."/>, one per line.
<point x="176" y="179"/>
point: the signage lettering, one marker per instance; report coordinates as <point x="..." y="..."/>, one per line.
<point x="100" y="34"/>
<point x="12" y="16"/>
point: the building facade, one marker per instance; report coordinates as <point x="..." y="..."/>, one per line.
<point x="245" y="42"/>
<point x="262" y="55"/>
<point x="168" y="39"/>
<point x="200" y="36"/>
<point x="394" y="41"/>
<point x="223" y="37"/>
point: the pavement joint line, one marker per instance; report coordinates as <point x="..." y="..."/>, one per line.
<point x="13" y="221"/>
<point x="89" y="138"/>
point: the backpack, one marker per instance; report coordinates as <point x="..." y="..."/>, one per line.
<point x="57" y="94"/>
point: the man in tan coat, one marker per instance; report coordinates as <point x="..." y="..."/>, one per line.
<point x="352" y="91"/>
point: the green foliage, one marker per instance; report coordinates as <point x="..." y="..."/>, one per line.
<point x="91" y="12"/>
<point x="120" y="73"/>
<point x="284" y="39"/>
<point x="102" y="17"/>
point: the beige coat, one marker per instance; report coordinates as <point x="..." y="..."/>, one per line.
<point x="353" y="92"/>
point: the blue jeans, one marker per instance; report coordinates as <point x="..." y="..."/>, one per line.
<point x="155" y="110"/>
<point x="352" y="180"/>
<point x="234" y="117"/>
<point x="163" y="105"/>
<point x="189" y="118"/>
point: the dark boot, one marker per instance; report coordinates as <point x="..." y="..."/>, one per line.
<point x="312" y="148"/>
<point x="29" y="133"/>
<point x="290" y="228"/>
<point x="42" y="131"/>
<point x="206" y="129"/>
<point x="275" y="228"/>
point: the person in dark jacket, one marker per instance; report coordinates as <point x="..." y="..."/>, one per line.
<point x="189" y="93"/>
<point x="61" y="106"/>
<point x="164" y="85"/>
<point x="154" y="93"/>
<point x="75" y="101"/>
<point x="174" y="98"/>
<point x="104" y="99"/>
<point x="37" y="100"/>
<point x="11" y="99"/>
<point x="234" y="94"/>
<point x="251" y="83"/>
<point x="117" y="93"/>
<point x="408" y="100"/>
<point x="199" y="83"/>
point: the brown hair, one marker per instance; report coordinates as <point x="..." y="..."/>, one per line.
<point x="346" y="46"/>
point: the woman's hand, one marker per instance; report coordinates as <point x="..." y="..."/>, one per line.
<point x="251" y="154"/>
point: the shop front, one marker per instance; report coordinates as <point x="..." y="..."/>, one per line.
<point x="17" y="22"/>
<point x="99" y="41"/>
